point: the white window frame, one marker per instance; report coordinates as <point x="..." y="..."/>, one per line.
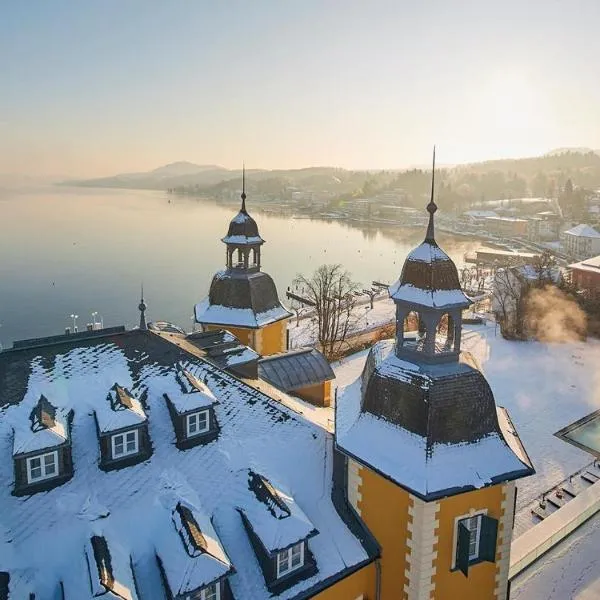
<point x="457" y="520"/>
<point x="210" y="588"/>
<point x="288" y="560"/>
<point x="195" y="418"/>
<point x="44" y="475"/>
<point x="123" y="435"/>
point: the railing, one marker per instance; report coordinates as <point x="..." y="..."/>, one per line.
<point x="528" y="547"/>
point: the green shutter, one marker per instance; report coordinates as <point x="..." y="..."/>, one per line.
<point x="462" y="549"/>
<point x="487" y="540"/>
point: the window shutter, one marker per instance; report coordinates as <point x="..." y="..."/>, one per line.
<point x="462" y="549"/>
<point x="487" y="541"/>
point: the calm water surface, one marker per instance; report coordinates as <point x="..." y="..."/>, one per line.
<point x="71" y="250"/>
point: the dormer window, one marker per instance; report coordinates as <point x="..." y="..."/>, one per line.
<point x="124" y="444"/>
<point x="210" y="592"/>
<point x="197" y="423"/>
<point x="42" y="449"/>
<point x="42" y="467"/>
<point x="289" y="560"/>
<point x="279" y="532"/>
<point x="191" y="559"/>
<point x="122" y="428"/>
<point x="191" y="406"/>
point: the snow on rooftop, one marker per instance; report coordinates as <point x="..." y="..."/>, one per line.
<point x="30" y="436"/>
<point x="589" y="264"/>
<point x="217" y="314"/>
<point x="411" y="464"/>
<point x="428" y="253"/>
<point x="133" y="506"/>
<point x="431" y="298"/>
<point x="273" y="514"/>
<point x="583" y="230"/>
<point x="240" y="240"/>
<point x="109" y="569"/>
<point x="192" y="393"/>
<point x="115" y="415"/>
<point x="187" y="567"/>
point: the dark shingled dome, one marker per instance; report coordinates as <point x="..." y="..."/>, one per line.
<point x="445" y="403"/>
<point x="428" y="267"/>
<point x="256" y="291"/>
<point x="242" y="225"/>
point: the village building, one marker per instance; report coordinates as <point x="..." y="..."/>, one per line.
<point x="581" y="242"/>
<point x="585" y="275"/>
<point x="242" y="298"/>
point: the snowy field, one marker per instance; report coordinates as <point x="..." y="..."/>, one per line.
<point x="571" y="571"/>
<point x="366" y="318"/>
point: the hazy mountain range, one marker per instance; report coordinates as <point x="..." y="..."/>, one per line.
<point x="211" y="177"/>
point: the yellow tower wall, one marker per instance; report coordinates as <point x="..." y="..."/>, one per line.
<point x="384" y="508"/>
<point x="272" y="338"/>
<point x="418" y="539"/>
<point x="245" y="335"/>
<point x="360" y="585"/>
<point x="448" y="582"/>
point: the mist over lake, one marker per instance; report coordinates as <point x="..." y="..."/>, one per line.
<point x="73" y="250"/>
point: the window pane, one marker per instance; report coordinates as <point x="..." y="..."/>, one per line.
<point x="131" y="442"/>
<point x="50" y="464"/>
<point x="192" y="423"/>
<point x="203" y="421"/>
<point x="35" y="463"/>
<point x="296" y="555"/>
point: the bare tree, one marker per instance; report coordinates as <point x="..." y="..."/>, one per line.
<point x="508" y="302"/>
<point x="332" y="290"/>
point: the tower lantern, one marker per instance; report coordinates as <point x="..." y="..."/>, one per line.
<point x="243" y="298"/>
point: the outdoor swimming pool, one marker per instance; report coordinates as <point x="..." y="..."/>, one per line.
<point x="584" y="434"/>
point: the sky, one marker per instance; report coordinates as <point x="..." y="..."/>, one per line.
<point x="93" y="88"/>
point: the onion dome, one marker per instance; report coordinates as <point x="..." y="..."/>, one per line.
<point x="243" y="229"/>
<point x="429" y="277"/>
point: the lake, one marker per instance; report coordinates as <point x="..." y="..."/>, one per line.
<point x="80" y="250"/>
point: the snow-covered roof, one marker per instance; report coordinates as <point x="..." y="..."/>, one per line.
<point x="429" y="278"/>
<point x="591" y="265"/>
<point x="192" y="394"/>
<point x="109" y="569"/>
<point x="431" y="298"/>
<point x="421" y="463"/>
<point x="273" y="514"/>
<point x="241" y="317"/>
<point x="241" y="240"/>
<point x="132" y="507"/>
<point x="583" y="230"/>
<point x="44" y="428"/>
<point x="191" y="553"/>
<point x="295" y="369"/>
<point x="121" y="409"/>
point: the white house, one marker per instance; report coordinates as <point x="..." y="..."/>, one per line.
<point x="582" y="242"/>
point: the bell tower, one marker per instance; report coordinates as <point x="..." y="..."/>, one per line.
<point x="243" y="298"/>
<point x="429" y="460"/>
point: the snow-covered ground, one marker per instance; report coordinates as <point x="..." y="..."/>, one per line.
<point x="571" y="570"/>
<point x="304" y="334"/>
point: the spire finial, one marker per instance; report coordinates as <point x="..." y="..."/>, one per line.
<point x="432" y="206"/>
<point x="243" y="187"/>
<point x="142" y="306"/>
